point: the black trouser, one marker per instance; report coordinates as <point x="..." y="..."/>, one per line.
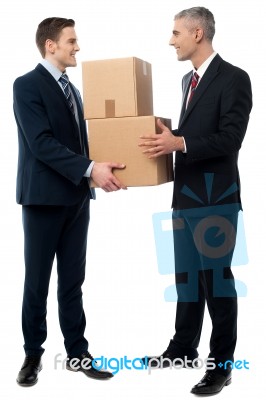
<point x="203" y="256"/>
<point x="50" y="231"/>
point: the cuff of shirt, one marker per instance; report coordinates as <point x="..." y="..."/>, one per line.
<point x="88" y="172"/>
<point x="185" y="146"/>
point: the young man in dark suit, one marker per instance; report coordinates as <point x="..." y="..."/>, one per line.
<point x="217" y="101"/>
<point x="53" y="187"/>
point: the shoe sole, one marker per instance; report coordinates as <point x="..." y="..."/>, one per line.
<point x="227" y="383"/>
<point x="72" y="369"/>
<point x="27" y="384"/>
<point x="89" y="376"/>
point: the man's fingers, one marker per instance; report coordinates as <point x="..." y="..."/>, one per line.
<point x="114" y="185"/>
<point x="149" y="137"/>
<point x="149" y="143"/>
<point x="161" y="125"/>
<point x="157" y="154"/>
<point x="116" y="165"/>
<point x="154" y="149"/>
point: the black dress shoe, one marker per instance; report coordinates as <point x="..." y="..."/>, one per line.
<point x="212" y="383"/>
<point x="28" y="375"/>
<point x="168" y="358"/>
<point x="84" y="363"/>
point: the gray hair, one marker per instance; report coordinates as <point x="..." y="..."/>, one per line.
<point x="199" y="16"/>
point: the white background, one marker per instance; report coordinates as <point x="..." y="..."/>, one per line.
<point x="124" y="292"/>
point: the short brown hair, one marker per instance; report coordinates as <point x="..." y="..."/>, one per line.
<point x="50" y="28"/>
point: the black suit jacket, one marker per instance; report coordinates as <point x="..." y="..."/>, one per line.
<point x="213" y="125"/>
<point x="52" y="160"/>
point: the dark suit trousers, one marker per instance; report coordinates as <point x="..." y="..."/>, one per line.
<point x="203" y="256"/>
<point x="51" y="231"/>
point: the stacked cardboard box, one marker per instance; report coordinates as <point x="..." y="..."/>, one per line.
<point x="118" y="105"/>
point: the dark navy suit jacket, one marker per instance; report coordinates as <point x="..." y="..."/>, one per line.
<point x="51" y="161"/>
<point x="214" y="126"/>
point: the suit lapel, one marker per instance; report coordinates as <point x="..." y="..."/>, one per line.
<point x="82" y="124"/>
<point x="54" y="85"/>
<point x="185" y="89"/>
<point x="208" y="77"/>
<point x="52" y="82"/>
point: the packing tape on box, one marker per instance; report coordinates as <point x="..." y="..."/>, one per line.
<point x="109" y="108"/>
<point x="144" y="68"/>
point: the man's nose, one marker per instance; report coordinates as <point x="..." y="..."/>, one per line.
<point x="171" y="41"/>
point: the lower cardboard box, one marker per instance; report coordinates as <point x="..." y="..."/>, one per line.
<point x="117" y="139"/>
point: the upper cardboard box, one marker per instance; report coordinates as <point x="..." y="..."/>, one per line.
<point x="120" y="87"/>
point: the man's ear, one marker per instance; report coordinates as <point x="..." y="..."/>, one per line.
<point x="198" y="34"/>
<point x="50" y="46"/>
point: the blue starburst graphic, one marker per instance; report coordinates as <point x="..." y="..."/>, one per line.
<point x="211" y="227"/>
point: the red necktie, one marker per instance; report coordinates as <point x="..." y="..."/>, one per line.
<point x="194" y="82"/>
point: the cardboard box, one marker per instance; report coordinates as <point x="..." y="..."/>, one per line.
<point x="120" y="87"/>
<point x="117" y="139"/>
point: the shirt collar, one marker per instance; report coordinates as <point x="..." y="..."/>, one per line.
<point x="202" y="69"/>
<point x="55" y="72"/>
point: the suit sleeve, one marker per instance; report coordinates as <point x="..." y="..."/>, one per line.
<point x="34" y="125"/>
<point x="234" y="106"/>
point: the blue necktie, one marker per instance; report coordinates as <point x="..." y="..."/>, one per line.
<point x="65" y="83"/>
